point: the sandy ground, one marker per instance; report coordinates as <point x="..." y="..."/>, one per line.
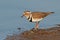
<point x="39" y="34"/>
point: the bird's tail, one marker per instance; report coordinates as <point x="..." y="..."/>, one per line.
<point x="51" y="12"/>
<point x="48" y="13"/>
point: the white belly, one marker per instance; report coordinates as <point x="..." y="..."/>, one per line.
<point x="36" y="20"/>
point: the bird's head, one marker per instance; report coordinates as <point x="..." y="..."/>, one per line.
<point x="26" y="14"/>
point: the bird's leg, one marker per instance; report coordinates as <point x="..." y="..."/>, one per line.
<point x="37" y="25"/>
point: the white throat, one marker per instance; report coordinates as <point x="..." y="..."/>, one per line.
<point x="30" y="16"/>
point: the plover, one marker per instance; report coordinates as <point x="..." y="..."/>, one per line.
<point x="36" y="16"/>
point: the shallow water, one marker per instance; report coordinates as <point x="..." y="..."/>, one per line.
<point x="10" y="15"/>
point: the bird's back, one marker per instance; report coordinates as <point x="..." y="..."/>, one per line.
<point x="40" y="14"/>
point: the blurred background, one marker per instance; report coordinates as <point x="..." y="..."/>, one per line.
<point x="11" y="11"/>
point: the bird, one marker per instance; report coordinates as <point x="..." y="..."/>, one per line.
<point x="35" y="17"/>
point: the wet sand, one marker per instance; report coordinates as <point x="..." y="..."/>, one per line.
<point x="39" y="34"/>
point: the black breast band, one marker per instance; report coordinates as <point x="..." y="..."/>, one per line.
<point x="30" y="19"/>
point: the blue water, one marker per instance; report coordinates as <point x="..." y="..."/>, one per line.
<point x="11" y="11"/>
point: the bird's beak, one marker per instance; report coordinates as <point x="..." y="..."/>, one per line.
<point x="22" y="15"/>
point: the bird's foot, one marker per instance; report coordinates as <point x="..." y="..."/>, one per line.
<point x="34" y="29"/>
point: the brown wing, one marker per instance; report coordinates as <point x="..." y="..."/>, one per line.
<point x="39" y="14"/>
